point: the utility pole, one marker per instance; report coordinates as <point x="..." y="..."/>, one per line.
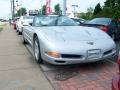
<point x="74" y="6"/>
<point x="41" y="7"/>
<point x="13" y="13"/>
<point x="21" y="8"/>
<point x="64" y="7"/>
<point x="11" y="9"/>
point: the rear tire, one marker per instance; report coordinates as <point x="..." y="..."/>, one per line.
<point x="37" y="52"/>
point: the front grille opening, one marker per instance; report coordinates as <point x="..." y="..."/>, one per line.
<point x="71" y="56"/>
<point x="57" y="61"/>
<point x="107" y="52"/>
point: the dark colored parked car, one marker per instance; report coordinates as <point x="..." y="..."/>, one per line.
<point x="108" y="25"/>
<point x="116" y="79"/>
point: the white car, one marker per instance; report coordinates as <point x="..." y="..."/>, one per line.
<point x="59" y="40"/>
<point x="23" y="21"/>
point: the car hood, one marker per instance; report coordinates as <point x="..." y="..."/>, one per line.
<point x="72" y="33"/>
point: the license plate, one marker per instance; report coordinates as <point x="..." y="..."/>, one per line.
<point x="93" y="54"/>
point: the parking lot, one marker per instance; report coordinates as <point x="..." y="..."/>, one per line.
<point x="19" y="70"/>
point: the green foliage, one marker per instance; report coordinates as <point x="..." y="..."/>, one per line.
<point x="97" y="9"/>
<point x="110" y="9"/>
<point x="21" y="12"/>
<point x="88" y="15"/>
<point x="57" y="9"/>
<point x="43" y="10"/>
<point x="1" y="29"/>
<point x="40" y="12"/>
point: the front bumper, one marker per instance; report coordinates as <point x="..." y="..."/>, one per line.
<point x="65" y="61"/>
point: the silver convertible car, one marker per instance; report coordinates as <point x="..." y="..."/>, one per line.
<point x="59" y="40"/>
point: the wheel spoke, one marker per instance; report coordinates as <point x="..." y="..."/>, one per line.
<point x="36" y="50"/>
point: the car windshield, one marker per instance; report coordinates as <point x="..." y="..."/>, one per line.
<point x="100" y="21"/>
<point x="54" y="21"/>
<point x="28" y="17"/>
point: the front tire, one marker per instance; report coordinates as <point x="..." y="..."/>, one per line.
<point x="37" y="52"/>
<point x="19" y="33"/>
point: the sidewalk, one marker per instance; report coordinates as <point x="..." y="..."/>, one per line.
<point x="18" y="69"/>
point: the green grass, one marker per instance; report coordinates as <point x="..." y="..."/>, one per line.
<point x="1" y="29"/>
<point x="2" y="26"/>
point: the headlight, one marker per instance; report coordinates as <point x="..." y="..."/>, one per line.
<point x="54" y="54"/>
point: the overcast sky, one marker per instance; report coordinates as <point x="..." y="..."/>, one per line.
<point x="36" y="4"/>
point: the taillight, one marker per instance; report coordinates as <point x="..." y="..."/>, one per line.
<point x="104" y="28"/>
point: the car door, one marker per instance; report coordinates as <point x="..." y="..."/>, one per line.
<point x="26" y="35"/>
<point x="29" y="33"/>
<point x="31" y="29"/>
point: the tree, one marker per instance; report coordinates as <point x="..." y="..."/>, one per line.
<point x="110" y="9"/>
<point x="21" y="12"/>
<point x="88" y="15"/>
<point x="97" y="9"/>
<point x="43" y="10"/>
<point x="57" y="9"/>
<point x="90" y="10"/>
<point x="113" y="7"/>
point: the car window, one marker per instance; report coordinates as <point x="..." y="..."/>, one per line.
<point x="64" y="21"/>
<point x="53" y="21"/>
<point x="77" y="21"/>
<point x="37" y="22"/>
<point x="28" y="17"/>
<point x="101" y="21"/>
<point x="45" y="21"/>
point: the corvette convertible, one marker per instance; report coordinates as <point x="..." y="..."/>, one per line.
<point x="59" y="40"/>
